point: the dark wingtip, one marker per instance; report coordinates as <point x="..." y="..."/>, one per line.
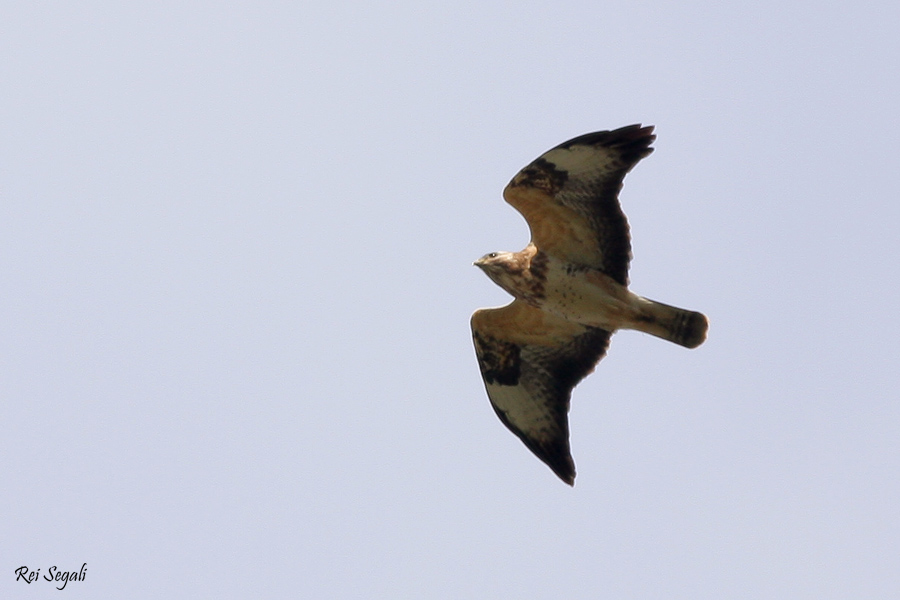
<point x="562" y="465"/>
<point x="633" y="140"/>
<point x="557" y="457"/>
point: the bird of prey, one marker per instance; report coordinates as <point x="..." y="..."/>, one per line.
<point x="570" y="289"/>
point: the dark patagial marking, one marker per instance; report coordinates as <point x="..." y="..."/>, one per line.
<point x="500" y="361"/>
<point x="543" y="175"/>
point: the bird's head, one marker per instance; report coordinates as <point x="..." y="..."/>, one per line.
<point x="503" y="268"/>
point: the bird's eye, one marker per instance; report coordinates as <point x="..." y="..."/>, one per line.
<point x="492" y="255"/>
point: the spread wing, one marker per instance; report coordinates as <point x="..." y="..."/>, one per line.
<point x="530" y="362"/>
<point x="569" y="196"/>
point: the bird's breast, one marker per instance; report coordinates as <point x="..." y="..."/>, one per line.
<point x="585" y="295"/>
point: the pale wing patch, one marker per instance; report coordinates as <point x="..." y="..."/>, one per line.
<point x="523" y="410"/>
<point x="583" y="162"/>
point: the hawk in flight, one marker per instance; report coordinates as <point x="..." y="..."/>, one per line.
<point x="570" y="289"/>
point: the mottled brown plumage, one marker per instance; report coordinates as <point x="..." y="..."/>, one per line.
<point x="570" y="289"/>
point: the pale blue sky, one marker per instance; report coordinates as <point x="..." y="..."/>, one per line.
<point x="236" y="245"/>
